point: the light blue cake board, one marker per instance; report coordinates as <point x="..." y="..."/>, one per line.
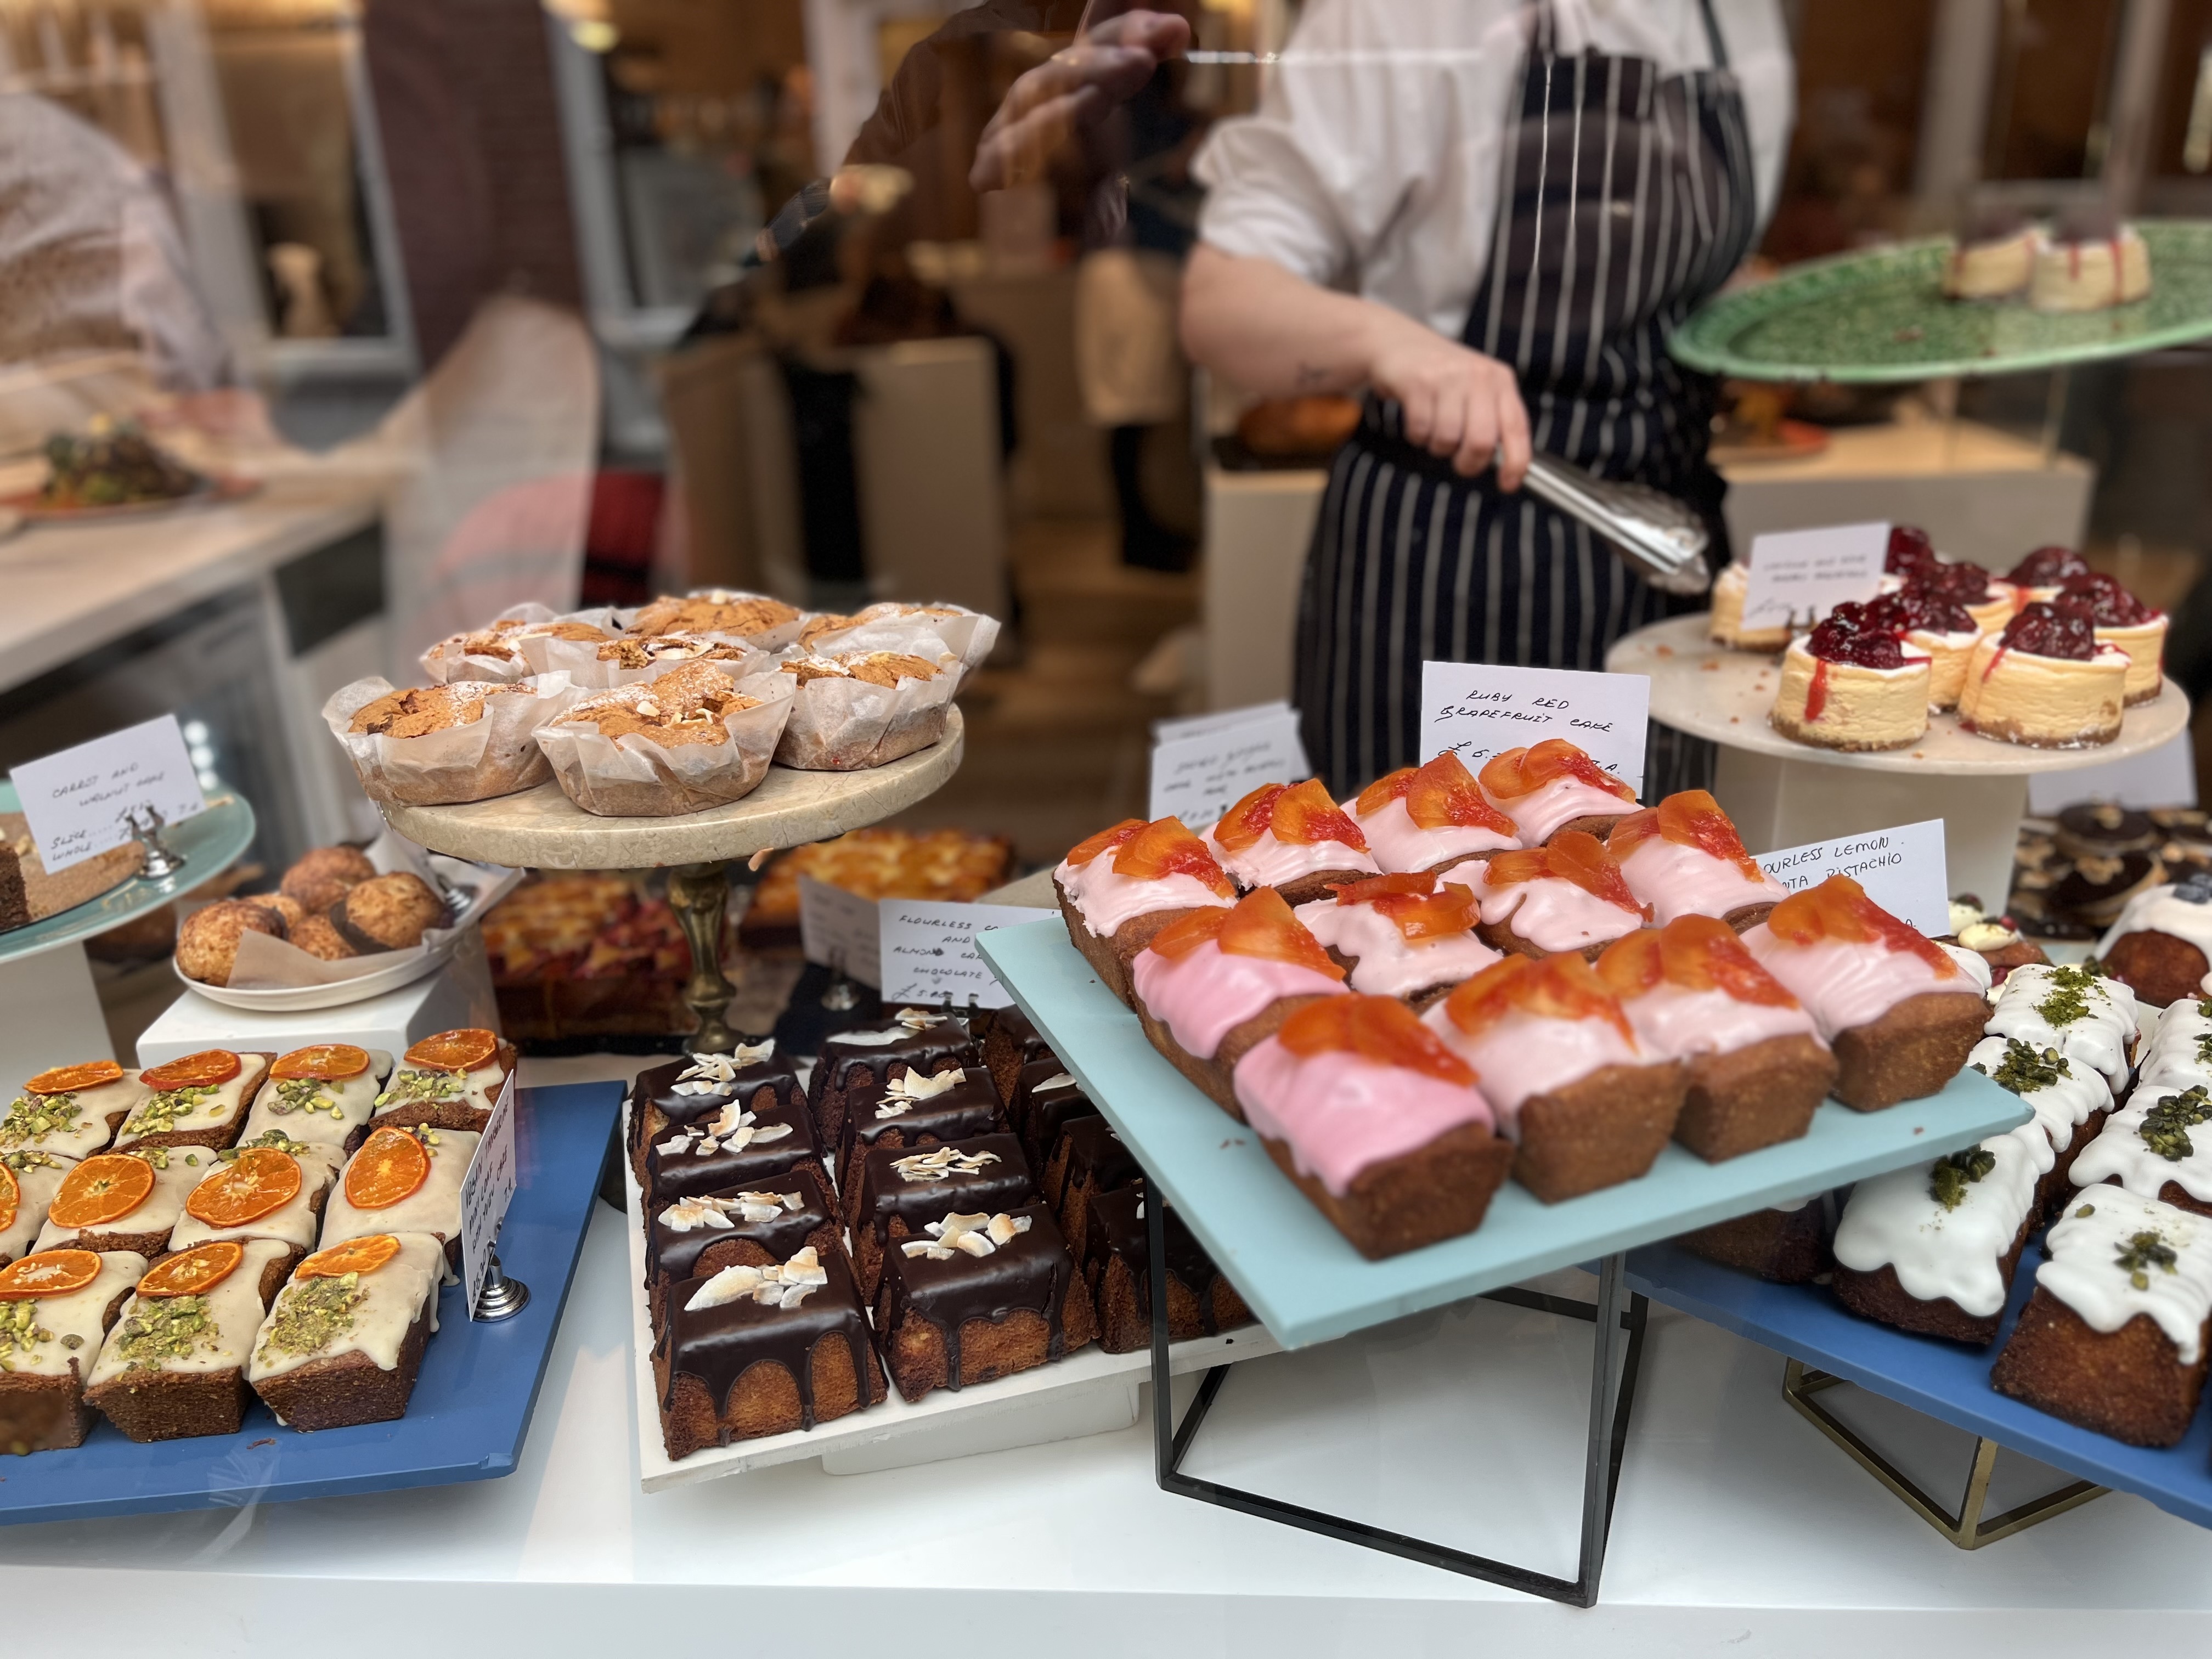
<point x="1298" y="1274"/>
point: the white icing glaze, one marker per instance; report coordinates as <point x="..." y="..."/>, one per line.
<point x="1972" y="963"/>
<point x="354" y="1097"/>
<point x="1400" y="846"/>
<point x="233" y="1306"/>
<point x="1386" y="964"/>
<point x="1676" y="880"/>
<point x="157" y="1213"/>
<point x="1109" y="898"/>
<point x="1554" y="805"/>
<point x="209" y="1111"/>
<point x="79" y="1314"/>
<point x="1269" y="862"/>
<point x="2174" y="1060"/>
<point x="392" y="1299"/>
<point x="1895" y="1221"/>
<point x="101" y="1111"/>
<point x="1848" y="985"/>
<point x="2101" y="1038"/>
<point x="1551" y="913"/>
<point x="2119" y="1153"/>
<point x="1340" y="1113"/>
<point x="34" y="1191"/>
<point x="1202" y="996"/>
<point x="2060" y="1107"/>
<point x="2084" y="1272"/>
<point x="1520" y="1055"/>
<point x="479" y="1087"/>
<point x="2156" y="910"/>
<point x="433" y="1208"/>
<point x="1677" y="1023"/>
<point x="296" y="1223"/>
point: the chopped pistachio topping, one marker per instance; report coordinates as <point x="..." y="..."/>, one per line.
<point x="162" y="1113"/>
<point x="1948" y="1180"/>
<point x="2165" y="1128"/>
<point x="411" y="1085"/>
<point x="2204" y="1047"/>
<point x="19" y="1331"/>
<point x="2026" y="1068"/>
<point x="2068" y="998"/>
<point x="156" y="1156"/>
<point x="34" y="1117"/>
<point x="19" y="1162"/>
<point x="276" y="1139"/>
<point x="312" y="1314"/>
<point x="164" y="1327"/>
<point x="304" y="1094"/>
<point x="2141" y="1254"/>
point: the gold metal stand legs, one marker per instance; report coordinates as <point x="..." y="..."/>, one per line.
<point x="1966" y="1529"/>
<point x="700" y="893"/>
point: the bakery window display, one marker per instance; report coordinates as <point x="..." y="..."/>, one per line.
<point x="124" y="1200"/>
<point x="403" y="1181"/>
<point x="893" y="1194"/>
<point x="2070" y="1100"/>
<point x="1377" y="1122"/>
<point x="72" y="1111"/>
<point x="1931" y="624"/>
<point x="1568" y="894"/>
<point x="1684" y="857"/>
<point x="28" y="1181"/>
<point x="270" y="1187"/>
<point x="2089" y="261"/>
<point x="1424" y="819"/>
<point x="174" y="1366"/>
<point x="2160" y="946"/>
<point x="677" y="1095"/>
<point x="322" y="1095"/>
<point x="978" y="1297"/>
<point x="1212" y="984"/>
<point x="1900" y="1013"/>
<point x="919" y="1108"/>
<point x="1411" y="936"/>
<point x="1123" y="885"/>
<point x="56" y="1310"/>
<point x="449" y="1081"/>
<point x="1852" y="684"/>
<point x="1585" y="1104"/>
<point x="198" y="1100"/>
<point x="2045" y="681"/>
<point x="1116" y="1262"/>
<point x="2123" y="622"/>
<point x="1292" y="838"/>
<point x="696" y="1238"/>
<point x="690" y="740"/>
<point x="855" y="1065"/>
<point x="1554" y="786"/>
<point x="1758" y="1067"/>
<point x="2112" y="1339"/>
<point x="343" y="1343"/>
<point x="442" y="745"/>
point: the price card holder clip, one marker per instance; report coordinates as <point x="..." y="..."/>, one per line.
<point x="147" y="825"/>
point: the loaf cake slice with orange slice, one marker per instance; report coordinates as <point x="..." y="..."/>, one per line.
<point x="56" y="1308"/>
<point x="267" y="1187"/>
<point x="403" y="1181"/>
<point x="1429" y="818"/>
<point x="174" y="1367"/>
<point x="1554" y="786"/>
<point x="323" y="1095"/>
<point x="1684" y="857"/>
<point x="198" y="1100"/>
<point x="1568" y="894"/>
<point x="28" y="1181"/>
<point x="1124" y="885"/>
<point x="343" y="1341"/>
<point x="124" y="1200"/>
<point x="71" y="1111"/>
<point x="449" y="1081"/>
<point x="1293" y="838"/>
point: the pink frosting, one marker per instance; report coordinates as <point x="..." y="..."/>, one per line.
<point x="1552" y="913"/>
<point x="1202" y="996"/>
<point x="1674" y="1021"/>
<point x="1523" y="1055"/>
<point x="1108" y="899"/>
<point x="1386" y="962"/>
<point x="1402" y="845"/>
<point x="1676" y="880"/>
<point x="1339" y="1113"/>
<point x="1538" y="813"/>
<point x="1848" y="985"/>
<point x="1268" y="862"/>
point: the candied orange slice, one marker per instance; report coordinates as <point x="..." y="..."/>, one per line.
<point x="1368" y="889"/>
<point x="259" y="1182"/>
<point x="1105" y="842"/>
<point x="1444" y="795"/>
<point x="67" y="1079"/>
<point x="1380" y="1028"/>
<point x="1421" y="909"/>
<point x="454" y="1051"/>
<point x="1550" y="987"/>
<point x="1167" y="848"/>
<point x="1690" y="818"/>
<point x="1572" y="855"/>
<point x="50" y="1272"/>
<point x="11" y="1198"/>
<point x="1839" y="909"/>
<point x="1519" y="772"/>
<point x="103" y="1188"/>
<point x="326" y="1062"/>
<point x="1262" y="925"/>
<point x="389" y="1167"/>
<point x="355" y="1255"/>
<point x="193" y="1272"/>
<point x="204" y="1070"/>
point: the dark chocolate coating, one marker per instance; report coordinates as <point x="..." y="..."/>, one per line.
<point x="970" y="1107"/>
<point x="670" y="1254"/>
<point x="1033" y="1273"/>
<point x="1040" y="1113"/>
<point x="656" y="1086"/>
<point x="680" y="1175"/>
<point x="883" y="1193"/>
<point x="1117" y="1226"/>
<point x="949" y="1038"/>
<point x="1019" y="1029"/>
<point x="1095" y="1152"/>
<point x="717" y="1345"/>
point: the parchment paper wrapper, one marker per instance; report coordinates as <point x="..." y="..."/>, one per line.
<point x="849" y="726"/>
<point x="634" y="777"/>
<point x="896" y="626"/>
<point x="579" y="660"/>
<point x="767" y="639"/>
<point x="448" y="660"/>
<point x="546" y="654"/>
<point x="492" y="755"/>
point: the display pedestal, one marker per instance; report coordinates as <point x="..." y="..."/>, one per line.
<point x="52" y="1015"/>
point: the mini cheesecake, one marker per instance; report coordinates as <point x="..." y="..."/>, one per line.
<point x="1551" y="787"/>
<point x="2045" y="682"/>
<point x="71" y="1111"/>
<point x="1567" y="895"/>
<point x="1851" y="685"/>
<point x="2082" y="267"/>
<point x="1993" y="259"/>
<point x="1423" y="818"/>
<point x="1122" y="885"/>
<point x="1988" y="600"/>
<point x="321" y="1096"/>
<point x="1910" y="557"/>
<point x="2126" y="624"/>
<point x="2044" y="574"/>
<point x="1402" y="935"/>
<point x="198" y="1101"/>
<point x="1931" y="624"/>
<point x="1726" y="628"/>
<point x="1684" y="857"/>
<point x="1292" y="838"/>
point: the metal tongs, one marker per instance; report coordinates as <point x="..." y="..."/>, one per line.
<point x="1659" y="536"/>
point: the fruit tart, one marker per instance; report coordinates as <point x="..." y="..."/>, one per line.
<point x="1684" y="857"/>
<point x="1567" y="895"/>
<point x="1550" y="786"/>
<point x="1410" y="936"/>
<point x="2045" y="681"/>
<point x="1587" y="1105"/>
<point x="1377" y="1122"/>
<point x="1900" y="1013"/>
<point x="1122" y="885"/>
<point x="1292" y="838"/>
<point x="1852" y="684"/>
<point x="2126" y="623"/>
<point x="2160" y="946"/>
<point x="1933" y="625"/>
<point x="1213" y="983"/>
<point x="1431" y="818"/>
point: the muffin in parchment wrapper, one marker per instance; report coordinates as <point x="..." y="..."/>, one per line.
<point x="755" y="618"/>
<point x="489" y="653"/>
<point x="895" y="625"/>
<point x="616" y="659"/>
<point x="632" y="773"/>
<point x="435" y="751"/>
<point x="843" y="722"/>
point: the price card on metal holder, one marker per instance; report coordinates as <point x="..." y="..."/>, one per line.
<point x="78" y="802"/>
<point x="1203" y="766"/>
<point x="485" y="1190"/>
<point x="1798" y="576"/>
<point x="1476" y="710"/>
<point x="929" y="950"/>
<point x="839" y="930"/>
<point x="1901" y="869"/>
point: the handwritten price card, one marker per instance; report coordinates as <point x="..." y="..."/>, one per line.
<point x="1476" y="710"/>
<point x="77" y="802"/>
<point x="838" y="930"/>
<point x="485" y="1192"/>
<point x="1901" y="869"/>
<point x="929" y="950"/>
<point x="1203" y="766"/>
<point x="1798" y="576"/>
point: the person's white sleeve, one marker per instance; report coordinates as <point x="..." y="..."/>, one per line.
<point x="1767" y="70"/>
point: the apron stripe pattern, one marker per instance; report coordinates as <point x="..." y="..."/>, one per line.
<point x="1629" y="199"/>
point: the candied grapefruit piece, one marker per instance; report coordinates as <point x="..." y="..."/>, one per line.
<point x="1839" y="909"/>
<point x="204" y="1070"/>
<point x="1167" y="848"/>
<point x="50" y="1272"/>
<point x="1444" y="795"/>
<point x="1574" y="855"/>
<point x="1379" y="1028"/>
<point x="259" y="1182"/>
<point x="390" y="1165"/>
<point x="1305" y="815"/>
<point x="1696" y="953"/>
<point x="103" y="1188"/>
<point x="190" y="1273"/>
<point x="1368" y="889"/>
<point x="11" y="1198"/>
<point x="454" y="1051"/>
<point x="1105" y="842"/>
<point x="355" y="1255"/>
<point x="1452" y="909"/>
<point x="1262" y="925"/>
<point x="67" y="1079"/>
<point x="1391" y="785"/>
<point x="1242" y="824"/>
<point x="1186" y="933"/>
<point x="326" y="1062"/>
<point x="1519" y="772"/>
<point x="1631" y="964"/>
<point x="1691" y="817"/>
<point x="1561" y="987"/>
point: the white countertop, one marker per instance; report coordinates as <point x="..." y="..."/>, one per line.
<point x="71" y="588"/>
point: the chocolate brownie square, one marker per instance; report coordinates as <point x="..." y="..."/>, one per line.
<point x="860" y="1062"/>
<point x="1089" y="1159"/>
<point x="896" y="1193"/>
<point x="697" y="1238"/>
<point x="1116" y="1268"/>
<point x="979" y="1297"/>
<point x="739" y="1146"/>
<point x="918" y="1110"/>
<point x="678" y="1095"/>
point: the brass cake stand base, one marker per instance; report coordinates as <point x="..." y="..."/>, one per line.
<point x="1801" y="1386"/>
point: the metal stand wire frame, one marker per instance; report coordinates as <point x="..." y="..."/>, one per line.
<point x="1618" y="1346"/>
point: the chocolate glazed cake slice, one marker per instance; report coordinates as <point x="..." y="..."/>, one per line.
<point x="980" y="1298"/>
<point x="677" y="1095"/>
<point x="856" y="1063"/>
<point x="895" y="1194"/>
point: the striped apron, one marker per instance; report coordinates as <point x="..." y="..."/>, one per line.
<point x="1628" y="199"/>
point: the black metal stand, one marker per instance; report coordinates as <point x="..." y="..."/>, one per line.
<point x="1618" y="1344"/>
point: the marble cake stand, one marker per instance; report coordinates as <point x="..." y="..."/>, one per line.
<point x="1783" y="793"/>
<point x="542" y="828"/>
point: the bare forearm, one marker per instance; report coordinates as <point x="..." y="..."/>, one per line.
<point x="1260" y="328"/>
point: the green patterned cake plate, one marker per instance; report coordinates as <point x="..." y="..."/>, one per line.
<point x="1880" y="317"/>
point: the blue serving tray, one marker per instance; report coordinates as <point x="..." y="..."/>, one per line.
<point x="472" y="1399"/>
<point x="1947" y="1381"/>
<point x="1298" y="1274"/>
